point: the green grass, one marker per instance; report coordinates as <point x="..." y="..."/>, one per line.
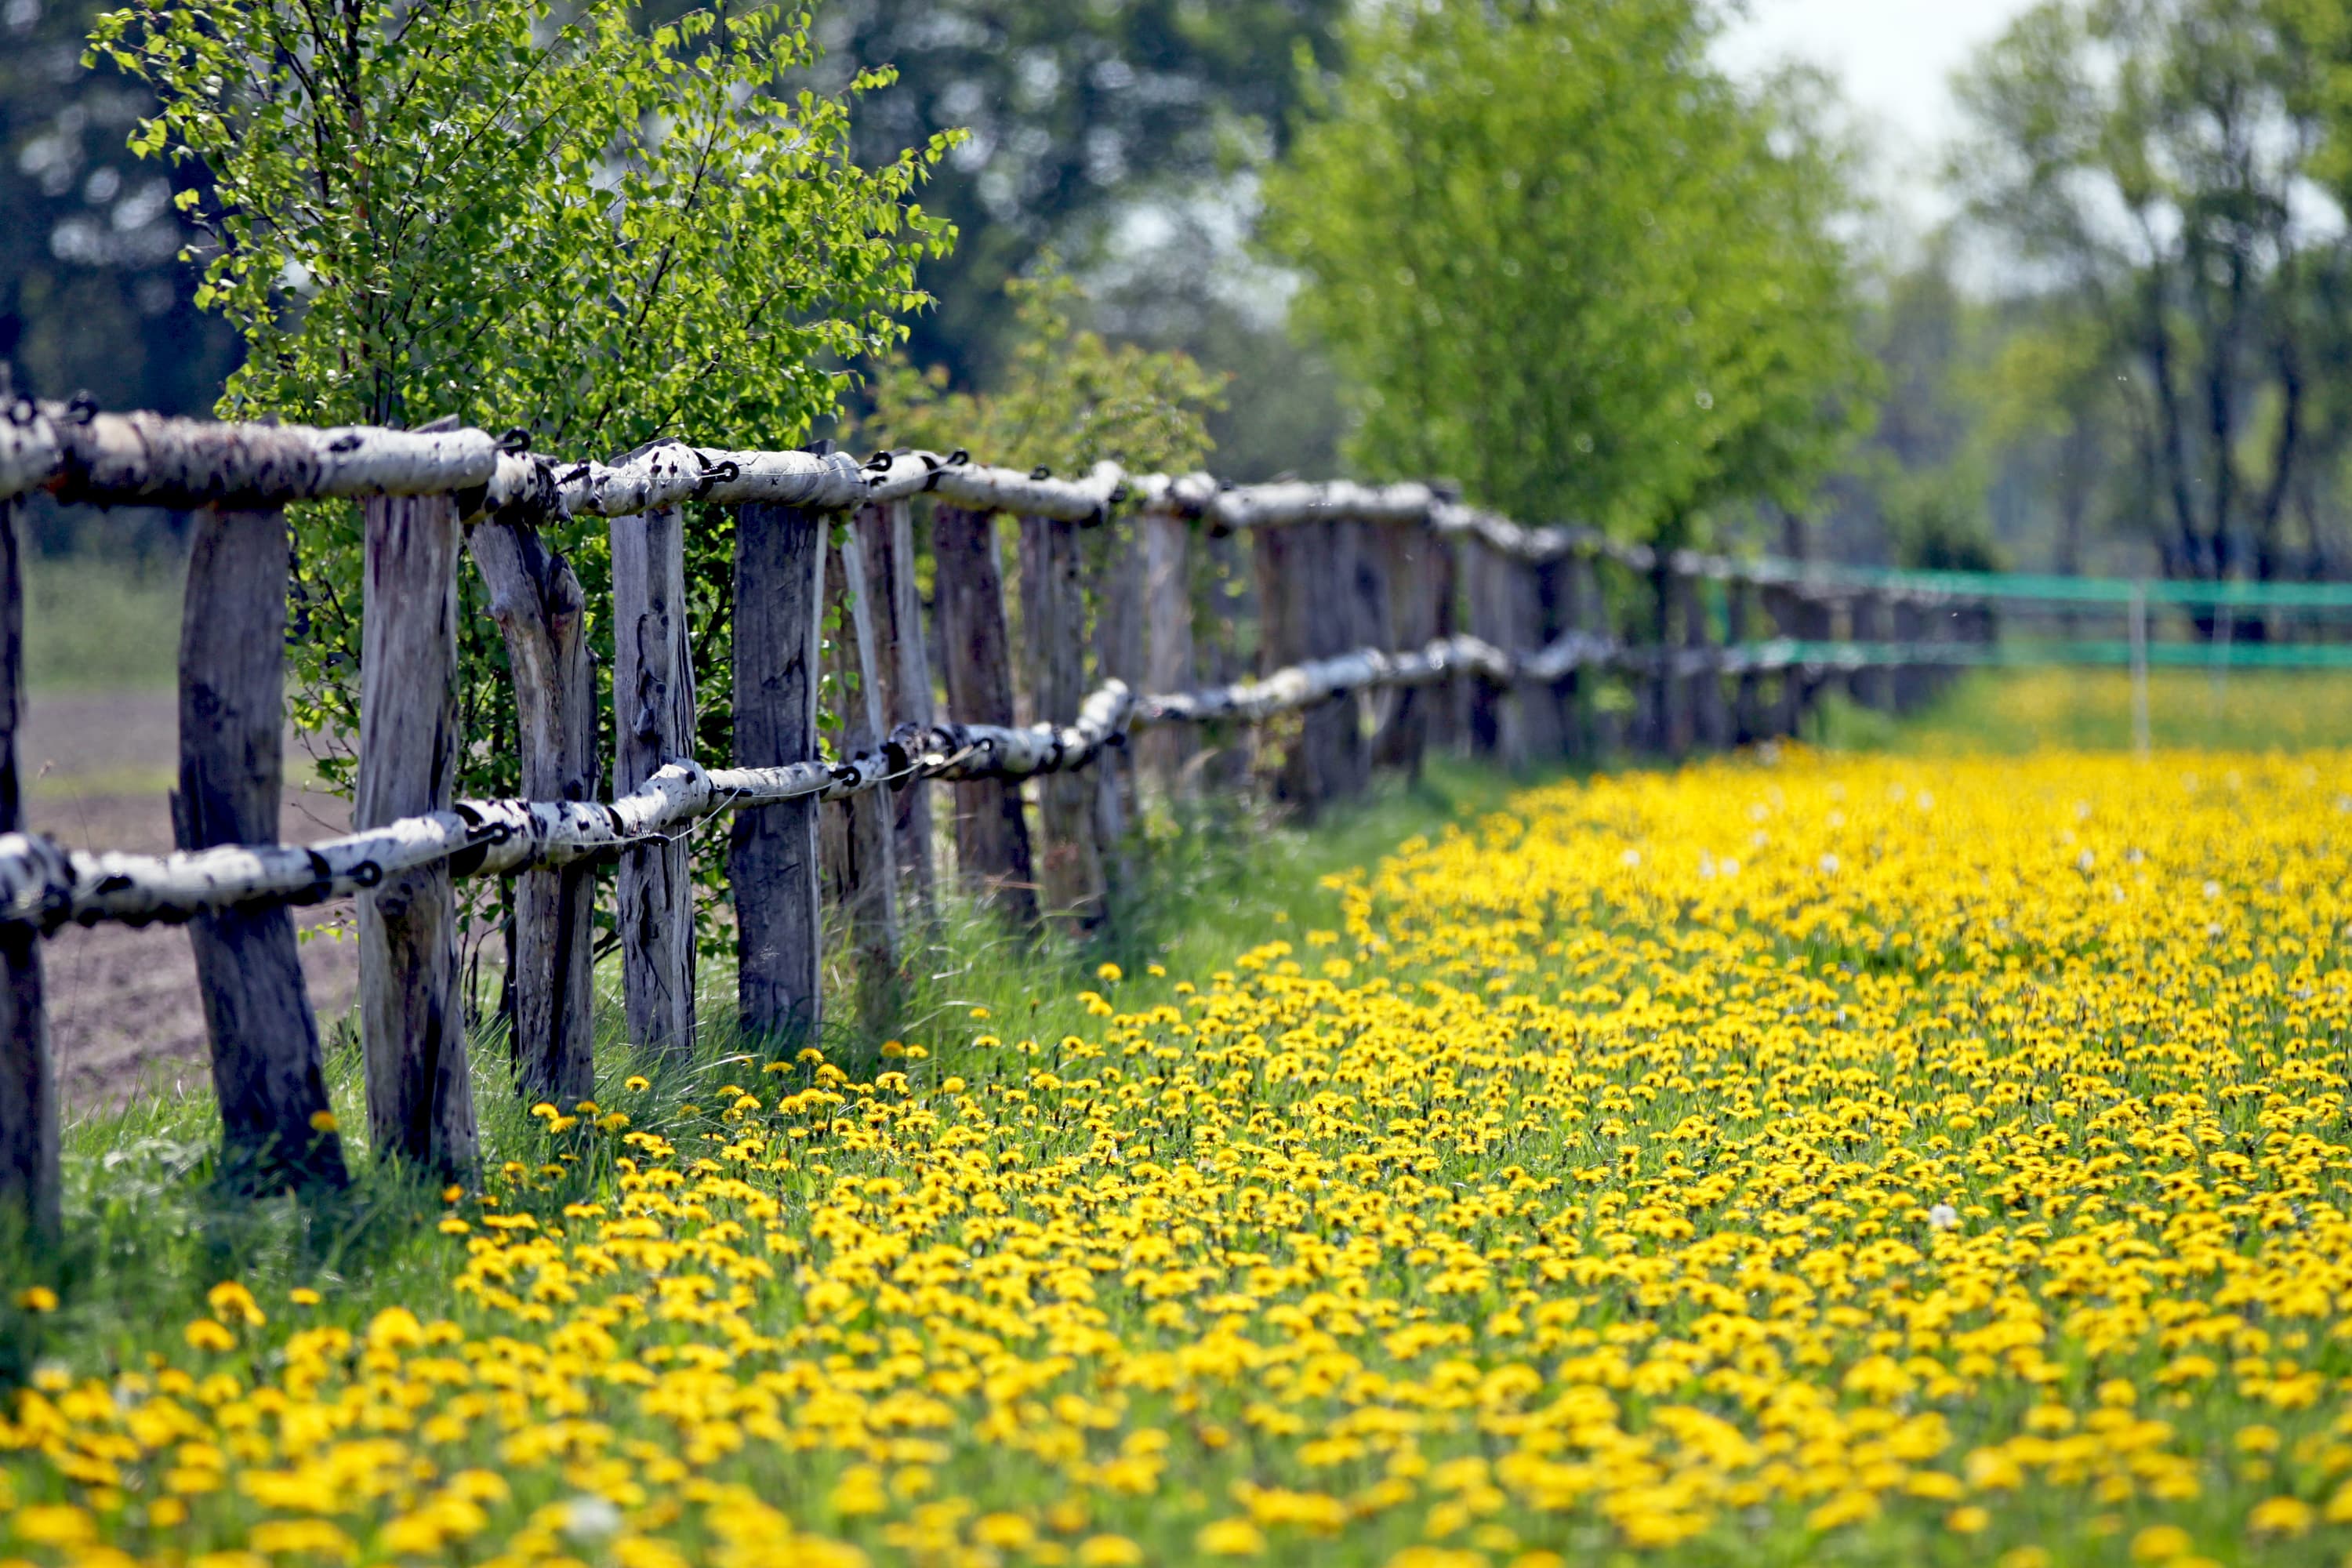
<point x="2014" y="711"/>
<point x="151" y="1224"/>
<point x="98" y="622"/>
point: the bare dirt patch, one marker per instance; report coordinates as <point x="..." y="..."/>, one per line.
<point x="124" y="1016"/>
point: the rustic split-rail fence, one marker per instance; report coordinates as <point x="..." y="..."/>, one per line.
<point x="1385" y="620"/>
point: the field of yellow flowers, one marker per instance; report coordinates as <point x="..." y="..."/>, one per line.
<point x="1790" y="1159"/>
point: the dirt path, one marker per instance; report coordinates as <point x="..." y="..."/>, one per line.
<point x="123" y="1012"/>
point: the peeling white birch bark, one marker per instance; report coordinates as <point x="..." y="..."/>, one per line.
<point x="147" y="459"/>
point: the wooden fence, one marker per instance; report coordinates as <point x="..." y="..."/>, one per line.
<point x="1383" y="621"/>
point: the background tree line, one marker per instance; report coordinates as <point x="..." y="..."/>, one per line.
<point x="1548" y="249"/>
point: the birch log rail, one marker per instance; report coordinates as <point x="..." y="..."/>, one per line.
<point x="1344" y="570"/>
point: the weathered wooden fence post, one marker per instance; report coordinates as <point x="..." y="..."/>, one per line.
<point x="268" y="1073"/>
<point x="1872" y="686"/>
<point x="1543" y="729"/>
<point x="1234" y="749"/>
<point x="888" y="533"/>
<point x="1677" y="607"/>
<point x="991" y="837"/>
<point x="1910" y="677"/>
<point x="29" y="1083"/>
<point x="1169" y="667"/>
<point x="1582" y="609"/>
<point x="653" y="726"/>
<point x="1710" y="724"/>
<point x="1306" y="611"/>
<point x="1120" y="653"/>
<point x="865" y="862"/>
<point x="772" y="863"/>
<point x="1409" y="554"/>
<point x="420" y="1088"/>
<point x="1498" y="711"/>
<point x="1053" y="626"/>
<point x="1740" y="630"/>
<point x="1366" y="619"/>
<point x="536" y="600"/>
<point x="1778" y="602"/>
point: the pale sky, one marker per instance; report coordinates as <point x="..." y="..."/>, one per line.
<point x="1894" y="59"/>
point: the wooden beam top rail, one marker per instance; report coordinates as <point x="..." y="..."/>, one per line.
<point x="145" y="459"/>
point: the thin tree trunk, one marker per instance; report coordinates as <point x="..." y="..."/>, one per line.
<point x="268" y="1073"/>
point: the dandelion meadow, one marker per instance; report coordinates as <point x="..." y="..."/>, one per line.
<point x="1788" y="1159"/>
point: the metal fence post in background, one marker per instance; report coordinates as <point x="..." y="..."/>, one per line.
<point x="268" y="1073"/>
<point x="420" y="1092"/>
<point x="2138" y="635"/>
<point x="29" y="1083"/>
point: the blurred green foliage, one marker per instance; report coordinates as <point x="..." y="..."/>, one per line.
<point x="1067" y="399"/>
<point x="1560" y="258"/>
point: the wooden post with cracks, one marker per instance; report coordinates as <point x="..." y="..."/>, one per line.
<point x="413" y="1027"/>
<point x="1677" y="609"/>
<point x="536" y="600"/>
<point x="1499" y="602"/>
<point x="860" y="847"/>
<point x="1053" y="626"/>
<point x="1120" y="653"/>
<point x="268" y="1072"/>
<point x="653" y="724"/>
<point x="991" y="837"/>
<point x="1365" y="619"/>
<point x="1740" y="628"/>
<point x="1168" y="643"/>
<point x="1710" y="720"/>
<point x="28" y="1084"/>
<point x="772" y="862"/>
<point x="1410" y="557"/>
<point x="1543" y="732"/>
<point x="1582" y="609"/>
<point x="887" y="534"/>
<point x="1297" y="612"/>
